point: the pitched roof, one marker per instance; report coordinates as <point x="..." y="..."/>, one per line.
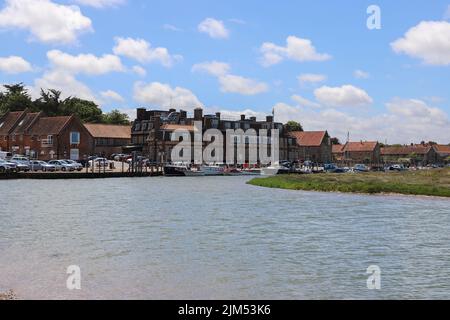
<point x="173" y="127"/>
<point x="309" y="138"/>
<point x="109" y="131"/>
<point x="405" y="150"/>
<point x="49" y="126"/>
<point x="442" y="149"/>
<point x="362" y="146"/>
<point x="338" y="148"/>
<point x="9" y="120"/>
<point x="25" y="123"/>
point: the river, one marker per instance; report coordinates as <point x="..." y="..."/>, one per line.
<point x="217" y="238"/>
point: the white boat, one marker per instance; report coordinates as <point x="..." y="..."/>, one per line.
<point x="213" y="170"/>
<point x="194" y="173"/>
<point x="251" y="172"/>
<point x="274" y="170"/>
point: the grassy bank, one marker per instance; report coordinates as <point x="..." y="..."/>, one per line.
<point x="427" y="183"/>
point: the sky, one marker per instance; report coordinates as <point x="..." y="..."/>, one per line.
<point x="378" y="73"/>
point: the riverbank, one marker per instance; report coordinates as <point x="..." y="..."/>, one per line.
<point x="76" y="175"/>
<point x="424" y="183"/>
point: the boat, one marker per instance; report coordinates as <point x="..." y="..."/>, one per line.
<point x="275" y="170"/>
<point x="213" y="170"/>
<point x="175" y="170"/>
<point x="194" y="172"/>
<point x="251" y="172"/>
<point x="232" y="172"/>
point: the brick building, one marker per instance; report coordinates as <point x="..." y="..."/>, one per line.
<point x="152" y="131"/>
<point x="108" y="139"/>
<point x="418" y="154"/>
<point x="313" y="146"/>
<point x="442" y="153"/>
<point x="44" y="138"/>
<point x="365" y="152"/>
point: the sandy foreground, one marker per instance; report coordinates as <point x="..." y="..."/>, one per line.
<point x="9" y="295"/>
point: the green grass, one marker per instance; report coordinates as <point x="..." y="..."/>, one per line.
<point x="426" y="183"/>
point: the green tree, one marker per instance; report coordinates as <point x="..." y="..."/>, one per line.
<point x="293" y="126"/>
<point x="50" y="103"/>
<point x="335" y="141"/>
<point x="116" y="117"/>
<point x="86" y="111"/>
<point x="15" y="98"/>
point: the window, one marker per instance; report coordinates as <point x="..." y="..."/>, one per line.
<point x="74" y="138"/>
<point x="49" y="140"/>
<point x="1" y="124"/>
<point x="74" y="154"/>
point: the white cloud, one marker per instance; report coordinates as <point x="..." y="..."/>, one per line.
<point x="345" y="96"/>
<point x="429" y="41"/>
<point x="360" y="74"/>
<point x="447" y="13"/>
<point x="214" y="68"/>
<point x="141" y="50"/>
<point x="238" y="21"/>
<point x="14" y="65"/>
<point x="111" y="95"/>
<point x="214" y="28"/>
<point x="85" y="63"/>
<point x="395" y="126"/>
<point x="163" y="95"/>
<point x="296" y="49"/>
<point x="311" y="78"/>
<point x="46" y="21"/>
<point x="171" y="27"/>
<point x="303" y="102"/>
<point x="236" y="84"/>
<point x="139" y="71"/>
<point x="66" y="83"/>
<point x="100" y="3"/>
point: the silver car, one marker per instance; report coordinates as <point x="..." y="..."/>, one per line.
<point x="76" y="165"/>
<point x="38" y="165"/>
<point x="61" y="165"/>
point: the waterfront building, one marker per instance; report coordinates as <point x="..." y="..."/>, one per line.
<point x="45" y="138"/>
<point x="109" y="139"/>
<point x="152" y="131"/>
<point x="314" y="146"/>
<point x="442" y="153"/>
<point x="364" y="152"/>
<point x="415" y="154"/>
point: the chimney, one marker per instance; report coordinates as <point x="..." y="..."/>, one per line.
<point x="253" y="119"/>
<point x="198" y="114"/>
<point x="183" y="115"/>
<point x="242" y="117"/>
<point x="172" y="110"/>
<point x="140" y="114"/>
<point x="269" y="119"/>
<point x="156" y="123"/>
<point x="218" y="115"/>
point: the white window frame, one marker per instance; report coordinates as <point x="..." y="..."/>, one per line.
<point x="71" y="136"/>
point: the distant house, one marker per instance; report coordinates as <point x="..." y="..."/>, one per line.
<point x="40" y="137"/>
<point x="365" y="152"/>
<point x="313" y="146"/>
<point x="415" y="154"/>
<point x="442" y="153"/>
<point x="337" y="152"/>
<point x="109" y="139"/>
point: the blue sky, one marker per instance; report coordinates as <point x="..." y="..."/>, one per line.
<point x="387" y="84"/>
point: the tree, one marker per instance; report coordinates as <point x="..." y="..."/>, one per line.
<point x="16" y="98"/>
<point x="335" y="141"/>
<point x="50" y="103"/>
<point x="293" y="126"/>
<point x="116" y="117"/>
<point x="86" y="111"/>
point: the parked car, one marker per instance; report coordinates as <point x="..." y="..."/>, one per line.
<point x="396" y="167"/>
<point x="22" y="163"/>
<point x="39" y="165"/>
<point x="6" y="166"/>
<point x="5" y="155"/>
<point x="61" y="165"/>
<point x="78" y="166"/>
<point x="360" y="168"/>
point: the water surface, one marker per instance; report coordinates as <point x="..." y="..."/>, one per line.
<point x="217" y="238"/>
